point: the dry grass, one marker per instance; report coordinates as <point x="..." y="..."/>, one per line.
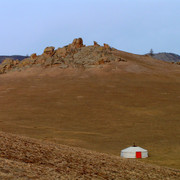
<point x="24" y="158"/>
<point x="101" y="109"/>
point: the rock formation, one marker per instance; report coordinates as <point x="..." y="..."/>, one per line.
<point x="33" y="56"/>
<point x="49" y="51"/>
<point x="96" y="44"/>
<point x="75" y="54"/>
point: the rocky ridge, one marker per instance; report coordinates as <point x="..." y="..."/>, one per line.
<point x="75" y="54"/>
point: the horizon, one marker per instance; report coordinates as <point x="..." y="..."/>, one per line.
<point x="135" y="27"/>
<point x="28" y="55"/>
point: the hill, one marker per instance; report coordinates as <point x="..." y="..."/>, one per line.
<point x="14" y="57"/>
<point x="25" y="158"/>
<point x="75" y="55"/>
<point x="169" y="57"/>
<point x="101" y="103"/>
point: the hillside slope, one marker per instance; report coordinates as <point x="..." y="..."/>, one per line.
<point x="77" y="55"/>
<point x="104" y="107"/>
<point x="169" y="57"/>
<point x="24" y="158"/>
<point x="19" y="57"/>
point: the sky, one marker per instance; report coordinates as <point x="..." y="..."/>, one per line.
<point x="136" y="26"/>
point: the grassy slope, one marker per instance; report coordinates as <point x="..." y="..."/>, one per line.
<point x="102" y="112"/>
<point x="24" y="158"/>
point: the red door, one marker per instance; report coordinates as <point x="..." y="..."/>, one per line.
<point x="138" y="155"/>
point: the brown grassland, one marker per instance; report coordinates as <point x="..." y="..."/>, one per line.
<point x="102" y="109"/>
<point x="24" y="158"/>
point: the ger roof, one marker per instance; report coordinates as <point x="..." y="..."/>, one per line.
<point x="133" y="149"/>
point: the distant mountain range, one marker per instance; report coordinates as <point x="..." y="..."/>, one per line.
<point x="169" y="57"/>
<point x="19" y="57"/>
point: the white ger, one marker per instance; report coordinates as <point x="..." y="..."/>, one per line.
<point x="134" y="152"/>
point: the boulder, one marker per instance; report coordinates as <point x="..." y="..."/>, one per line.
<point x="106" y="46"/>
<point x="118" y="59"/>
<point x="61" y="52"/>
<point x="96" y="44"/>
<point x="1" y="69"/>
<point x="15" y="62"/>
<point x="77" y="43"/>
<point x="7" y="64"/>
<point x="33" y="56"/>
<point x="8" y="61"/>
<point x="41" y="59"/>
<point x="49" y="51"/>
<point x="25" y="62"/>
<point x="49" y="61"/>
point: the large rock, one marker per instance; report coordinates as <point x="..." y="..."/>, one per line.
<point x="33" y="56"/>
<point x="16" y="62"/>
<point x="49" y="51"/>
<point x="7" y="61"/>
<point x="41" y="59"/>
<point x="7" y="64"/>
<point x="78" y="43"/>
<point x="120" y="59"/>
<point x="96" y="44"/>
<point x="106" y="46"/>
<point x="61" y="52"/>
<point x="26" y="62"/>
<point x="49" y="61"/>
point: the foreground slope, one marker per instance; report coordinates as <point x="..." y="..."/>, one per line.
<point x="24" y="158"/>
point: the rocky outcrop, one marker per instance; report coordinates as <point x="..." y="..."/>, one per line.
<point x="8" y="64"/>
<point x="33" y="56"/>
<point x="96" y="44"/>
<point x="106" y="46"/>
<point x="61" y="52"/>
<point x="77" y="43"/>
<point x="49" y="51"/>
<point x="75" y="54"/>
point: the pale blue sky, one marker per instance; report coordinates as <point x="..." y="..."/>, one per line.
<point x="136" y="26"/>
